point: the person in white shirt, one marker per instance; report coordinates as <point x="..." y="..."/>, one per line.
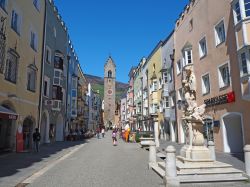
<point x="103" y="132"/>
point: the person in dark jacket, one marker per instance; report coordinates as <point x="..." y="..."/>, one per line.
<point x="36" y="139"/>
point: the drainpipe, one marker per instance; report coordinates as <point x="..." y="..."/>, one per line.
<point x="172" y="64"/>
<point x="42" y="70"/>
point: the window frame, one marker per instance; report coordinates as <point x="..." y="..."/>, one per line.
<point x="204" y="90"/>
<point x="8" y="75"/>
<point x="46" y="79"/>
<point x="17" y="26"/>
<point x="219" y="24"/>
<point x="246" y="63"/>
<point x="222" y="85"/>
<point x="31" y="72"/>
<point x="33" y="40"/>
<point x="178" y="67"/>
<point x="49" y="61"/>
<point x="4" y="7"/>
<point x="58" y="77"/>
<point x="203" y="53"/>
<point x="38" y="5"/>
<point x="235" y="12"/>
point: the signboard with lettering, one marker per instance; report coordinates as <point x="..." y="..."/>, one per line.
<point x="219" y="100"/>
<point x="8" y="116"/>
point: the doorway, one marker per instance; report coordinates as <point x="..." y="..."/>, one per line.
<point x="59" y="128"/>
<point x="232" y="133"/>
<point x="27" y="133"/>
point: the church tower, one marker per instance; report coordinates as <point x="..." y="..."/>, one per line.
<point x="109" y="92"/>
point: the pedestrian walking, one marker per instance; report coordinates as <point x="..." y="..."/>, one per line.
<point x="114" y="137"/>
<point x="103" y="132"/>
<point x="36" y="139"/>
<point x="98" y="133"/>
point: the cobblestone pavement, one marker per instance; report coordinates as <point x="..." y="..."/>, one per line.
<point x="100" y="164"/>
<point x="94" y="164"/>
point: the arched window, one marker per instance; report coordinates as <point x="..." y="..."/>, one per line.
<point x="109" y="74"/>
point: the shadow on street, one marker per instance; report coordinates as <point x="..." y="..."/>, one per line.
<point x="12" y="163"/>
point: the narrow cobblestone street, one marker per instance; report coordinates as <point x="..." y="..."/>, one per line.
<point x="93" y="163"/>
<point x="99" y="163"/>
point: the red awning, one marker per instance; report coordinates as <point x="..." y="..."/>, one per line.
<point x="6" y="113"/>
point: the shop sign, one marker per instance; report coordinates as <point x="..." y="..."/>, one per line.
<point x="219" y="100"/>
<point x="8" y="116"/>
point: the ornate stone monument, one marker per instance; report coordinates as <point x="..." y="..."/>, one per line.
<point x="193" y="122"/>
<point x="196" y="163"/>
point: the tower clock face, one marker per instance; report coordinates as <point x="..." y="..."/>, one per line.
<point x="110" y="92"/>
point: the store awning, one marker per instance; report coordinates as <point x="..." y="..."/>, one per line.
<point x="6" y="113"/>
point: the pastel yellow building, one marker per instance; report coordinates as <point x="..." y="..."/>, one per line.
<point x="155" y="89"/>
<point x="21" y="46"/>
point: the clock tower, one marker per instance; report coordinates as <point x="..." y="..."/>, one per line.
<point x="109" y="93"/>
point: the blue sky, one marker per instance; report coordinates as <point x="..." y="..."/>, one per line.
<point x="126" y="29"/>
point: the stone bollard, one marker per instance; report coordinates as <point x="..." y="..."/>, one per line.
<point x="247" y="159"/>
<point x="152" y="154"/>
<point x="211" y="148"/>
<point x="170" y="169"/>
<point x="156" y="134"/>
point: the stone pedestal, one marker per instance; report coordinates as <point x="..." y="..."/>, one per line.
<point x="195" y="148"/>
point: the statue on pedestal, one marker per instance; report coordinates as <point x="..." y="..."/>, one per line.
<point x="193" y="115"/>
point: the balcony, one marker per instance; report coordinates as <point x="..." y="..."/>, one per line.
<point x="145" y="104"/>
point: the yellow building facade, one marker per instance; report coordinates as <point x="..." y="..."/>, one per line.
<point x="155" y="89"/>
<point x="22" y="24"/>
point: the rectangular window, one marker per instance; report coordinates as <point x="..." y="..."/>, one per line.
<point x="31" y="80"/>
<point x="48" y="55"/>
<point x="220" y="36"/>
<point x="188" y="59"/>
<point x="165" y="77"/>
<point x="205" y="84"/>
<point x="244" y="63"/>
<point x="36" y="3"/>
<point x="154" y="86"/>
<point x="46" y="87"/>
<point x="247" y="7"/>
<point x="3" y="4"/>
<point x="179" y="68"/>
<point x="15" y="22"/>
<point x="166" y="102"/>
<point x="11" y="67"/>
<point x="224" y="76"/>
<point x="73" y="93"/>
<point x="202" y="47"/>
<point x="33" y="39"/>
<point x="154" y="109"/>
<point x="58" y="80"/>
<point x="237" y="11"/>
